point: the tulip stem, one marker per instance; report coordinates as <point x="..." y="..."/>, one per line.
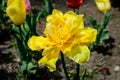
<point x="77" y="71"/>
<point x="76" y="10"/>
<point x="78" y="66"/>
<point x="64" y="66"/>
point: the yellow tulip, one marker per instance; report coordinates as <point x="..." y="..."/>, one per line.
<point x="66" y="33"/>
<point x="103" y="5"/>
<point x="16" y="10"/>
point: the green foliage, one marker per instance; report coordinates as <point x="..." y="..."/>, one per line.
<point x="3" y="17"/>
<point x="102" y="33"/>
<point x="28" y="67"/>
<point x="22" y="34"/>
<point x="84" y="75"/>
<point x="47" y="7"/>
<point x="31" y="22"/>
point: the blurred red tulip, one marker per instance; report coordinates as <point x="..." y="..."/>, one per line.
<point x="74" y="3"/>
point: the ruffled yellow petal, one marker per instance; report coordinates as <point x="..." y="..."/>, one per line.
<point x="51" y="64"/>
<point x="66" y="33"/>
<point x="56" y="14"/>
<point x="38" y="43"/>
<point x="86" y="36"/>
<point x="61" y="27"/>
<point x="16" y="10"/>
<point x="72" y="23"/>
<point x="79" y="54"/>
<point x="73" y="20"/>
<point x="103" y="5"/>
<point x="83" y="36"/>
<point x="67" y="46"/>
<point x="54" y="25"/>
<point x="50" y="56"/>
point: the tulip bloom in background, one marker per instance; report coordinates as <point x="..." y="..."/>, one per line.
<point x="28" y="6"/>
<point x="103" y="5"/>
<point x="74" y="3"/>
<point x="63" y="33"/>
<point x="17" y="10"/>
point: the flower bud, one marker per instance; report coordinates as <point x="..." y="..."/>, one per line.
<point x="16" y="10"/>
<point x="74" y="3"/>
<point x="103" y="5"/>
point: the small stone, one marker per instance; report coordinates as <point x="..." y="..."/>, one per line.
<point x="117" y="68"/>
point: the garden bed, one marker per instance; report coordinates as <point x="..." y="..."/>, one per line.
<point x="105" y="59"/>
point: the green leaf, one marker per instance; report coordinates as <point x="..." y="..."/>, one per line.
<point x="25" y="30"/>
<point x="18" y="77"/>
<point x="31" y="68"/>
<point x="106" y="19"/>
<point x="48" y="7"/>
<point x="15" y="29"/>
<point x="3" y="3"/>
<point x="23" y="66"/>
<point x="21" y="49"/>
<point x="94" y="22"/>
<point x="38" y="16"/>
<point x="83" y="74"/>
<point x="104" y="36"/>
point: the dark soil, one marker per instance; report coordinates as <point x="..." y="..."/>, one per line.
<point x="105" y="59"/>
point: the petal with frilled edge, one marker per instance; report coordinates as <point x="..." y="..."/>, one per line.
<point x="72" y="23"/>
<point x="38" y="43"/>
<point x="50" y="56"/>
<point x="54" y="25"/>
<point x="86" y="36"/>
<point x="79" y="54"/>
<point x="74" y="20"/>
